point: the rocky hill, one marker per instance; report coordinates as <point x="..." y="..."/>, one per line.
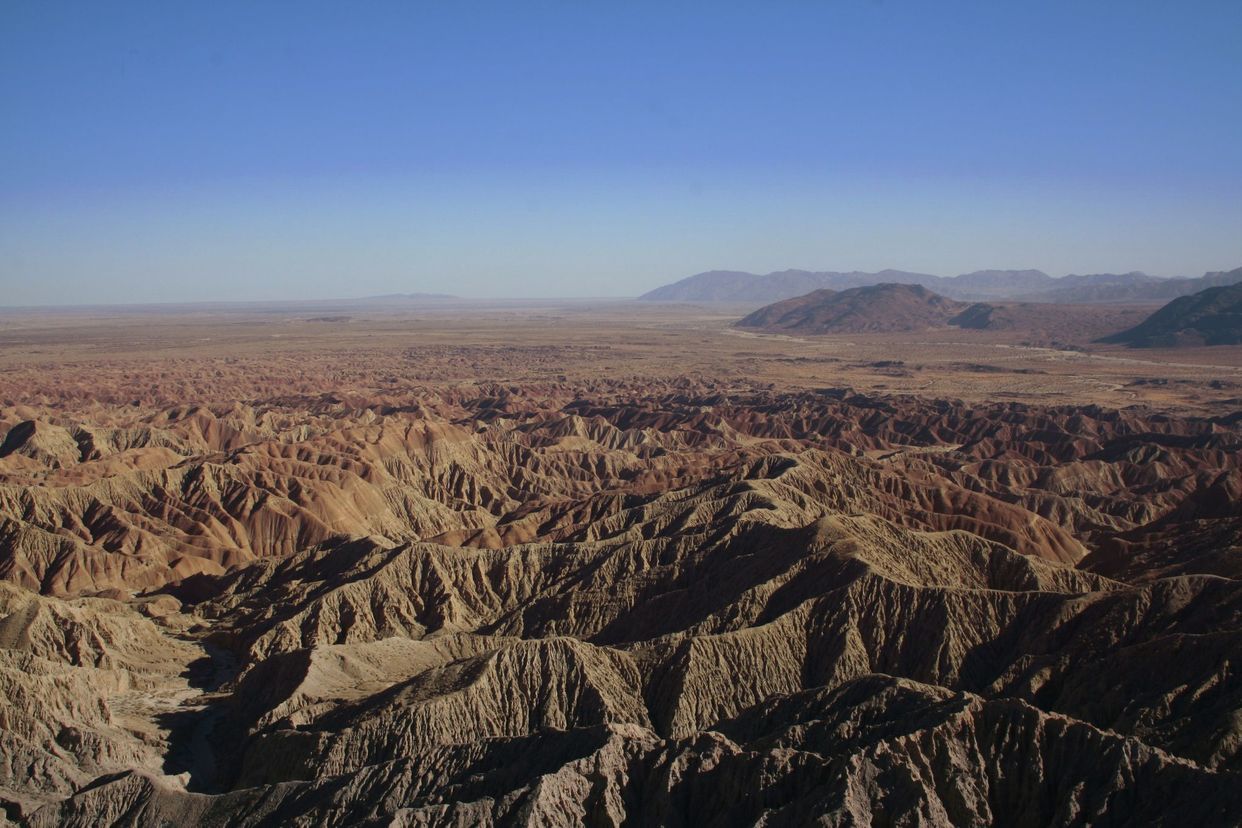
<point x="877" y="308"/>
<point x="1210" y="317"/>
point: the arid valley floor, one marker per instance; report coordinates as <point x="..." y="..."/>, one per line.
<point x="604" y="562"/>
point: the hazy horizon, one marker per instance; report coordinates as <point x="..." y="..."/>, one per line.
<point x="480" y="298"/>
<point x="242" y="153"/>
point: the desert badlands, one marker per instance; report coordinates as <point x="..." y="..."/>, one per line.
<point x="613" y="563"/>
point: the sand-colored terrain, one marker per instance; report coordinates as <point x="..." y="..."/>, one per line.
<point x="602" y="563"/>
<point x="186" y="354"/>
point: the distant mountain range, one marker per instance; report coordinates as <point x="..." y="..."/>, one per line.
<point x="1022" y="285"/>
<point x="1210" y="317"/>
<point x="737" y="286"/>
<point x="404" y="297"/>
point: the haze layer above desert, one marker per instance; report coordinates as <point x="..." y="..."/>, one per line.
<point x="429" y="562"/>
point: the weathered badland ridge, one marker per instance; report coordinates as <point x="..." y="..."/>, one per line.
<point x="589" y="602"/>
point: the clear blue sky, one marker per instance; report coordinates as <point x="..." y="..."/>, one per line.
<point x="182" y="151"/>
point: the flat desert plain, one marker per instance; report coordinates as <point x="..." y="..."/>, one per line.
<point x="217" y="353"/>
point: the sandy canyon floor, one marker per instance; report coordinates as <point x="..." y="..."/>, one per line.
<point x="612" y="563"/>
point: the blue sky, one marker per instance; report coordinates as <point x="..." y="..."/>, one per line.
<point x="168" y="151"/>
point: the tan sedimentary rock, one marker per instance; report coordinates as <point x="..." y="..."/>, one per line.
<point x="606" y="605"/>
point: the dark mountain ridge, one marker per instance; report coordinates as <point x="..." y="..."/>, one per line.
<point x="1209" y="317"/>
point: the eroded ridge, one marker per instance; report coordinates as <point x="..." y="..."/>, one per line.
<point x="600" y="602"/>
